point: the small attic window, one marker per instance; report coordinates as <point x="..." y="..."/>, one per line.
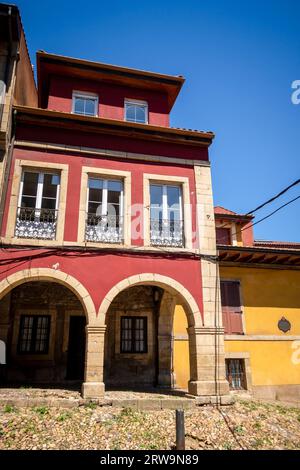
<point x="136" y="111"/>
<point x="85" y="104"/>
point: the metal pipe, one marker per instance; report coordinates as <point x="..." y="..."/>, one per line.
<point x="180" y="432"/>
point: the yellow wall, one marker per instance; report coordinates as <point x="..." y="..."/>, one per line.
<point x="267" y="296"/>
<point x="271" y="362"/>
<point x="181" y="348"/>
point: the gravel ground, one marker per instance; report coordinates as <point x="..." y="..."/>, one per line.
<point x="244" y="425"/>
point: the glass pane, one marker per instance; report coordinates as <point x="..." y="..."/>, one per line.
<point x="50" y="185"/>
<point x="156" y="195"/>
<point x="113" y="210"/>
<point x="90" y="106"/>
<point x="173" y="196"/>
<point x="48" y="203"/>
<point x="95" y="183"/>
<point x="30" y="182"/>
<point x="95" y="195"/>
<point x="113" y="197"/>
<point x="79" y="106"/>
<point x="115" y="185"/>
<point x="130" y="112"/>
<point x="140" y="113"/>
<point x="28" y="201"/>
<point x="95" y="208"/>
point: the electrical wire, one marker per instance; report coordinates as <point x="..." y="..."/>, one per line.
<point x="274" y="197"/>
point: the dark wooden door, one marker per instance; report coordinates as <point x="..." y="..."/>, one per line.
<point x="76" y="348"/>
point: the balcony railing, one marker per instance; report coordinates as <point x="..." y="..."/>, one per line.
<point x="36" y="223"/>
<point x="166" y="232"/>
<point x="104" y="228"/>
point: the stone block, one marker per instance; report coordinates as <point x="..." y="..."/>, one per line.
<point x="93" y="390"/>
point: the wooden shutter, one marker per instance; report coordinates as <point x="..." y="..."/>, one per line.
<point x="231" y="307"/>
<point x="223" y="236"/>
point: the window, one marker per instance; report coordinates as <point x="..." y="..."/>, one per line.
<point x="231" y="307"/>
<point x="85" y="104"/>
<point x="166" y="224"/>
<point x="104" y="210"/>
<point x="34" y="334"/>
<point x="134" y="335"/>
<point x="38" y="205"/>
<point x="223" y="236"/>
<point x="136" y="111"/>
<point x="235" y="374"/>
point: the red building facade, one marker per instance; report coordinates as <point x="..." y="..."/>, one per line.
<point x="108" y="226"/>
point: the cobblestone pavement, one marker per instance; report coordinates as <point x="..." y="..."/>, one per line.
<point x="244" y="425"/>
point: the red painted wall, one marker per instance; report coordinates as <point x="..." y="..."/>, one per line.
<point x="99" y="272"/>
<point x="111" y="98"/>
<point x="247" y="235"/>
<point x="76" y="162"/>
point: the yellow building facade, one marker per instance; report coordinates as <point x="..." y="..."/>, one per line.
<point x="262" y="346"/>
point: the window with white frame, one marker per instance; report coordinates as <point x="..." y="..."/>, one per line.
<point x="136" y="111"/>
<point x="85" y="104"/>
<point x="105" y="200"/>
<point x="166" y="216"/>
<point x="38" y="205"/>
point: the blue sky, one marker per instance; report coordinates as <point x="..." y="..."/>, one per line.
<point x="239" y="59"/>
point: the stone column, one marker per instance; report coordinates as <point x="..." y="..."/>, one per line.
<point x="166" y="376"/>
<point x="207" y="356"/>
<point x="207" y="362"/>
<point x="93" y="386"/>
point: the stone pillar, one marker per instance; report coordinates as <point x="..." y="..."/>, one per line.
<point x="166" y="376"/>
<point x="207" y="362"/>
<point x="93" y="386"/>
<point x="208" y="377"/>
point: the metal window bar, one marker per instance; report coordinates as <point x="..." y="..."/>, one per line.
<point x="36" y="223"/>
<point x="235" y="372"/>
<point x="104" y="228"/>
<point x="166" y="232"/>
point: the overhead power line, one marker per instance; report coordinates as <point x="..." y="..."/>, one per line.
<point x="274" y="197"/>
<point x="271" y="213"/>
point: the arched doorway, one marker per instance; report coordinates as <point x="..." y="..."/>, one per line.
<point x="139" y="339"/>
<point x="43" y="327"/>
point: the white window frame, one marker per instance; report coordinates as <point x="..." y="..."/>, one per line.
<point x="85" y="95"/>
<point x="131" y="102"/>
<point x="40" y="185"/>
<point x="165" y="206"/>
<point x="104" y="194"/>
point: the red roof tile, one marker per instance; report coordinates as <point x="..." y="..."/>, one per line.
<point x="276" y="244"/>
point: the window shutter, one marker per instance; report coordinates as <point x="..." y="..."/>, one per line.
<point x="231" y="307"/>
<point x="223" y="236"/>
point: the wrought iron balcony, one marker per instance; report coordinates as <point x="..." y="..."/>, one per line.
<point x="36" y="223"/>
<point x="104" y="228"/>
<point x="165" y="232"/>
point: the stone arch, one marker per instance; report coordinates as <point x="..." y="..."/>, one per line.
<point x="172" y="290"/>
<point x="170" y="285"/>
<point x="47" y="274"/>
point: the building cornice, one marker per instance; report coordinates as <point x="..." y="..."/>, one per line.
<point x="258" y="257"/>
<point x="96" y="125"/>
<point x="107" y="153"/>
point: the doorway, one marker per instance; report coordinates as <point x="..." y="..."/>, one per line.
<point x="76" y="348"/>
